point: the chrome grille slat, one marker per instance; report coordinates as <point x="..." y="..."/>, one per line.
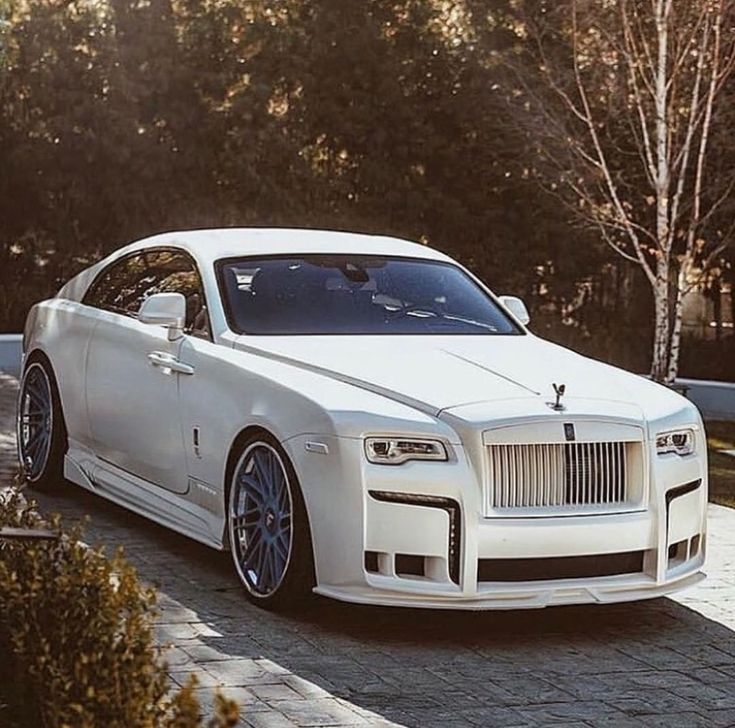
<point x="558" y="475"/>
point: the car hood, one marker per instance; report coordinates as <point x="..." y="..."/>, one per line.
<point x="438" y="373"/>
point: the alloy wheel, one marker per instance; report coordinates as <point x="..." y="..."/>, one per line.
<point x="35" y="422"/>
<point x="260" y="519"/>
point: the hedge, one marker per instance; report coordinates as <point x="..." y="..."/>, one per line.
<point x="76" y="637"/>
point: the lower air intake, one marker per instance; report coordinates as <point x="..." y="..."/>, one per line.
<point x="566" y="567"/>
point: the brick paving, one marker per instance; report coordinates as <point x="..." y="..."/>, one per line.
<point x="666" y="662"/>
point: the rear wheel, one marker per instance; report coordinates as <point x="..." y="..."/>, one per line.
<point x="40" y="428"/>
<point x="268" y="527"/>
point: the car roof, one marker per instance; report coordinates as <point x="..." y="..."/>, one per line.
<point x="209" y="245"/>
<point x="214" y="244"/>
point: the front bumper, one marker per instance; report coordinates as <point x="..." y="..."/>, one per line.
<point x="521" y="596"/>
<point x="373" y="550"/>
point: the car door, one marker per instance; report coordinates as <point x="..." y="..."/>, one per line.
<point x="133" y="405"/>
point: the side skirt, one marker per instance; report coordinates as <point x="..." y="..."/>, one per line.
<point x="146" y="499"/>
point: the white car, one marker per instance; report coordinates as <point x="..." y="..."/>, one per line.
<point x="360" y="416"/>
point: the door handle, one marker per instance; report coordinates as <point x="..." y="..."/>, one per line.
<point x="166" y="361"/>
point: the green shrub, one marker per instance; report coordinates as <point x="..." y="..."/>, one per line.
<point x="76" y="637"/>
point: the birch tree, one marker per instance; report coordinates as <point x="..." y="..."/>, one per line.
<point x="625" y="98"/>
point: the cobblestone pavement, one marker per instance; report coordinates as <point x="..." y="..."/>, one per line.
<point x="656" y="663"/>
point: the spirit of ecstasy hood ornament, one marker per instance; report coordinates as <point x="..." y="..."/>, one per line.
<point x="559" y="390"/>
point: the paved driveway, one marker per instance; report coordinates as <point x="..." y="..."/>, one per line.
<point x="649" y="663"/>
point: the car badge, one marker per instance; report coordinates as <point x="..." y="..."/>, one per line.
<point x="559" y="390"/>
<point x="569" y="432"/>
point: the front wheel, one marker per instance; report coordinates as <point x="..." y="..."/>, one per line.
<point x="268" y="527"/>
<point x="40" y="428"/>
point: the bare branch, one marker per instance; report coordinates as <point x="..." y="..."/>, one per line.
<point x="706" y="124"/>
<point x="686" y="147"/>
<point x="611" y="188"/>
<point x="632" y="65"/>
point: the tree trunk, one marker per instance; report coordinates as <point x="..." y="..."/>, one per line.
<point x="675" y="348"/>
<point x="662" y="324"/>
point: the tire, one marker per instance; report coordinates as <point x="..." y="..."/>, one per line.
<point x="40" y="430"/>
<point x="268" y="527"/>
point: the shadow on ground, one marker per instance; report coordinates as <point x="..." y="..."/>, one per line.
<point x="647" y="663"/>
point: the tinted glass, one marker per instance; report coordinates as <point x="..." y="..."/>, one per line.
<point x="125" y="284"/>
<point x="328" y="294"/>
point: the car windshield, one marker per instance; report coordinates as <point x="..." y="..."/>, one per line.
<point x="347" y="294"/>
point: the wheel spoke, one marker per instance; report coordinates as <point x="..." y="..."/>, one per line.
<point x="37" y="453"/>
<point x="281" y="545"/>
<point x="33" y="435"/>
<point x="255" y="541"/>
<point x="35" y="441"/>
<point x="32" y="418"/>
<point x="238" y="523"/>
<point x="267" y="469"/>
<point x="274" y="571"/>
<point x="36" y="390"/>
<point x="35" y="400"/>
<point x="263" y="569"/>
<point x="265" y="579"/>
<point x="252" y="514"/>
<point x="253" y="554"/>
<point x="254" y="488"/>
<point x="283" y="498"/>
<point x="259" y="469"/>
<point x="275" y="475"/>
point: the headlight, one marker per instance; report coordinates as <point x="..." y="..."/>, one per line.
<point x="394" y="450"/>
<point x="680" y="442"/>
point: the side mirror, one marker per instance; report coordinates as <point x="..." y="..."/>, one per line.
<point x="516" y="306"/>
<point x="165" y="309"/>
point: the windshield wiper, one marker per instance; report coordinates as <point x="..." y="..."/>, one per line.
<point x="428" y="313"/>
<point x="471" y="322"/>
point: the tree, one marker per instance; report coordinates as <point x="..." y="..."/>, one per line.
<point x="624" y="99"/>
<point x="123" y="118"/>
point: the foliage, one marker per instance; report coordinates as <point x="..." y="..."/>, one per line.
<point x="121" y="118"/>
<point x="76" y="636"/>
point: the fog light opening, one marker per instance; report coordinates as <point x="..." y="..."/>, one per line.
<point x="678" y="552"/>
<point x="371" y="562"/>
<point x="378" y="562"/>
<point x="410" y="565"/>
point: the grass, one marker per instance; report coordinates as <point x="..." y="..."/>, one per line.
<point x="721" y="436"/>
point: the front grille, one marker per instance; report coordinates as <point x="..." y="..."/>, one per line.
<point x="558" y="475"/>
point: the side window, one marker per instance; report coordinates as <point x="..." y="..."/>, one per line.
<point x="124" y="286"/>
<point x="177" y="273"/>
<point x="115" y="289"/>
